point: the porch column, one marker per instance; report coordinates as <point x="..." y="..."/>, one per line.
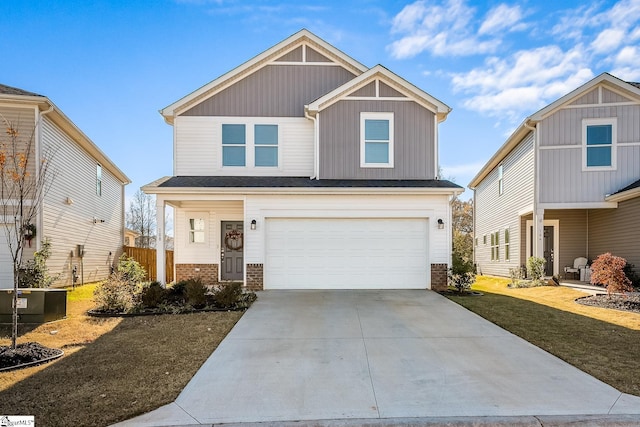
<point x="538" y="233"/>
<point x="160" y="256"/>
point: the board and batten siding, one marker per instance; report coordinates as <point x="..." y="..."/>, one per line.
<point x="562" y="179"/>
<point x="495" y="212"/>
<point x="207" y="252"/>
<point x="198" y="147"/>
<point x="69" y="209"/>
<point x="616" y="231"/>
<point x="274" y="91"/>
<point x="414" y="140"/>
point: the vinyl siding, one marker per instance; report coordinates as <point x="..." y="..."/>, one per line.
<point x="496" y="212"/>
<point x="616" y="231"/>
<point x="24" y="120"/>
<point x="564" y="164"/>
<point x="67" y="225"/>
<point x="273" y="91"/>
<point x="414" y="136"/>
<point x="198" y="147"/>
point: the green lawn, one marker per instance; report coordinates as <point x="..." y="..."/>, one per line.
<point x="604" y="343"/>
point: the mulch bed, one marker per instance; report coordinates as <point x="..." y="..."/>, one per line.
<point x="26" y="354"/>
<point x="627" y="302"/>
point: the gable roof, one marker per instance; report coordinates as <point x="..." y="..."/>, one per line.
<point x="393" y="80"/>
<point x="302" y="37"/>
<point x="46" y="106"/>
<point x="527" y="125"/>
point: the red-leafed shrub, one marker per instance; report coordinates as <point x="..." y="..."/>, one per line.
<point x="608" y="270"/>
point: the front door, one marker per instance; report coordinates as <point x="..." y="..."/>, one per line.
<point x="548" y="250"/>
<point x="231" y="250"/>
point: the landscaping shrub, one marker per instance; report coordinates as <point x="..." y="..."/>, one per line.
<point x="462" y="281"/>
<point x="629" y="271"/>
<point x="131" y="269"/>
<point x="153" y="295"/>
<point x="116" y="294"/>
<point x="535" y="269"/>
<point x="608" y="270"/>
<point x="34" y="273"/>
<point x="175" y="293"/>
<point x="228" y="296"/>
<point x="195" y="292"/>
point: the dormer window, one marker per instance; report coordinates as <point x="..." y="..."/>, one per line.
<point x="376" y="140"/>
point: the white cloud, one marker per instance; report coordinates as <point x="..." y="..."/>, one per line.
<point x="627" y="64"/>
<point x="608" y="40"/>
<point x="501" y="18"/>
<point x="441" y="28"/>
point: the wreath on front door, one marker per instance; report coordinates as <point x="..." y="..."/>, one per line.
<point x="233" y="240"/>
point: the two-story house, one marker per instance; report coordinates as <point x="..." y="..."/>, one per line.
<point x="566" y="184"/>
<point x="82" y="212"/>
<point x="302" y="168"/>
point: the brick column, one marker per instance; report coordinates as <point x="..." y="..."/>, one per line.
<point x="255" y="277"/>
<point x="439" y="277"/>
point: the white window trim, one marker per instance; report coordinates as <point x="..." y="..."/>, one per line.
<point x="375" y="116"/>
<point x="507" y="244"/>
<point x="613" y="121"/>
<point x="500" y="179"/>
<point x="249" y="142"/>
<point x="98" y="180"/>
<point x="197" y="215"/>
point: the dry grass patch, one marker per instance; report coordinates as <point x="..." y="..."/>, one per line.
<point x="113" y="369"/>
<point x="601" y="342"/>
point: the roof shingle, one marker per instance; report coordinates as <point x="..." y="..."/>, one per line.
<point x="9" y="90"/>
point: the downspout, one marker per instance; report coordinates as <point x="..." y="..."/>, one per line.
<point x="38" y="150"/>
<point x="316" y="145"/>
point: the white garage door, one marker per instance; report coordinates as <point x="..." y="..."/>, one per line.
<point x="337" y="253"/>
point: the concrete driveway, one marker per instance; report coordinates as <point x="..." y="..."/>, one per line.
<point x="375" y="355"/>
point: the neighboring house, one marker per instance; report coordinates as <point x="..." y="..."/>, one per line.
<point x="303" y="168"/>
<point x="566" y="184"/>
<point x="130" y="237"/>
<point x="85" y="203"/>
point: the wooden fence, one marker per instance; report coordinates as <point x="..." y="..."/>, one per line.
<point x="147" y="259"/>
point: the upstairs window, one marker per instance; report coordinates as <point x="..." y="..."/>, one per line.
<point x="266" y="145"/>
<point x="234" y="143"/>
<point x="500" y="181"/>
<point x="196" y="230"/>
<point x="376" y="140"/>
<point x="98" y="180"/>
<point x="599" y="144"/>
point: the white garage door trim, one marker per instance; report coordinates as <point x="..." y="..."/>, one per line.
<point x="346" y="253"/>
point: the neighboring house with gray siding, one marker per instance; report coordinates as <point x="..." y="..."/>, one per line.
<point x="304" y="169"/>
<point x="566" y="184"/>
<point x="85" y="202"/>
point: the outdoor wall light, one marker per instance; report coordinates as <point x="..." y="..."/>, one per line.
<point x="253" y="224"/>
<point x="440" y="224"/>
<point x="96" y="220"/>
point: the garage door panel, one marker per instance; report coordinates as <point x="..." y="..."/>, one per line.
<point x="340" y="253"/>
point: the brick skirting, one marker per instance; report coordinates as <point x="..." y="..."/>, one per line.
<point x="438" y="277"/>
<point x="207" y="272"/>
<point x="255" y="277"/>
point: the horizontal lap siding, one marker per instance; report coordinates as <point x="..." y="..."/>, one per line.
<point x="496" y="212"/>
<point x="67" y="225"/>
<point x="616" y="231"/>
<point x="23" y="120"/>
<point x="414" y="136"/>
<point x="198" y="147"/>
<point x="564" y="165"/>
<point x="274" y="91"/>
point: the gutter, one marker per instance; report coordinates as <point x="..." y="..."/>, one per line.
<point x="316" y="142"/>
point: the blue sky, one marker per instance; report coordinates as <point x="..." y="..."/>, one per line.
<point x="111" y="65"/>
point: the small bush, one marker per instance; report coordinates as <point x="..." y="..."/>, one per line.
<point x="631" y="274"/>
<point x="535" y="269"/>
<point x="116" y="294"/>
<point x="131" y="269"/>
<point x="516" y="276"/>
<point x="228" y="296"/>
<point x="153" y="295"/>
<point x="175" y="293"/>
<point x="462" y="281"/>
<point x="608" y="270"/>
<point x="34" y="273"/>
<point x="195" y="292"/>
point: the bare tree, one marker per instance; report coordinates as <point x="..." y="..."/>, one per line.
<point x="141" y="217"/>
<point x="24" y="181"/>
